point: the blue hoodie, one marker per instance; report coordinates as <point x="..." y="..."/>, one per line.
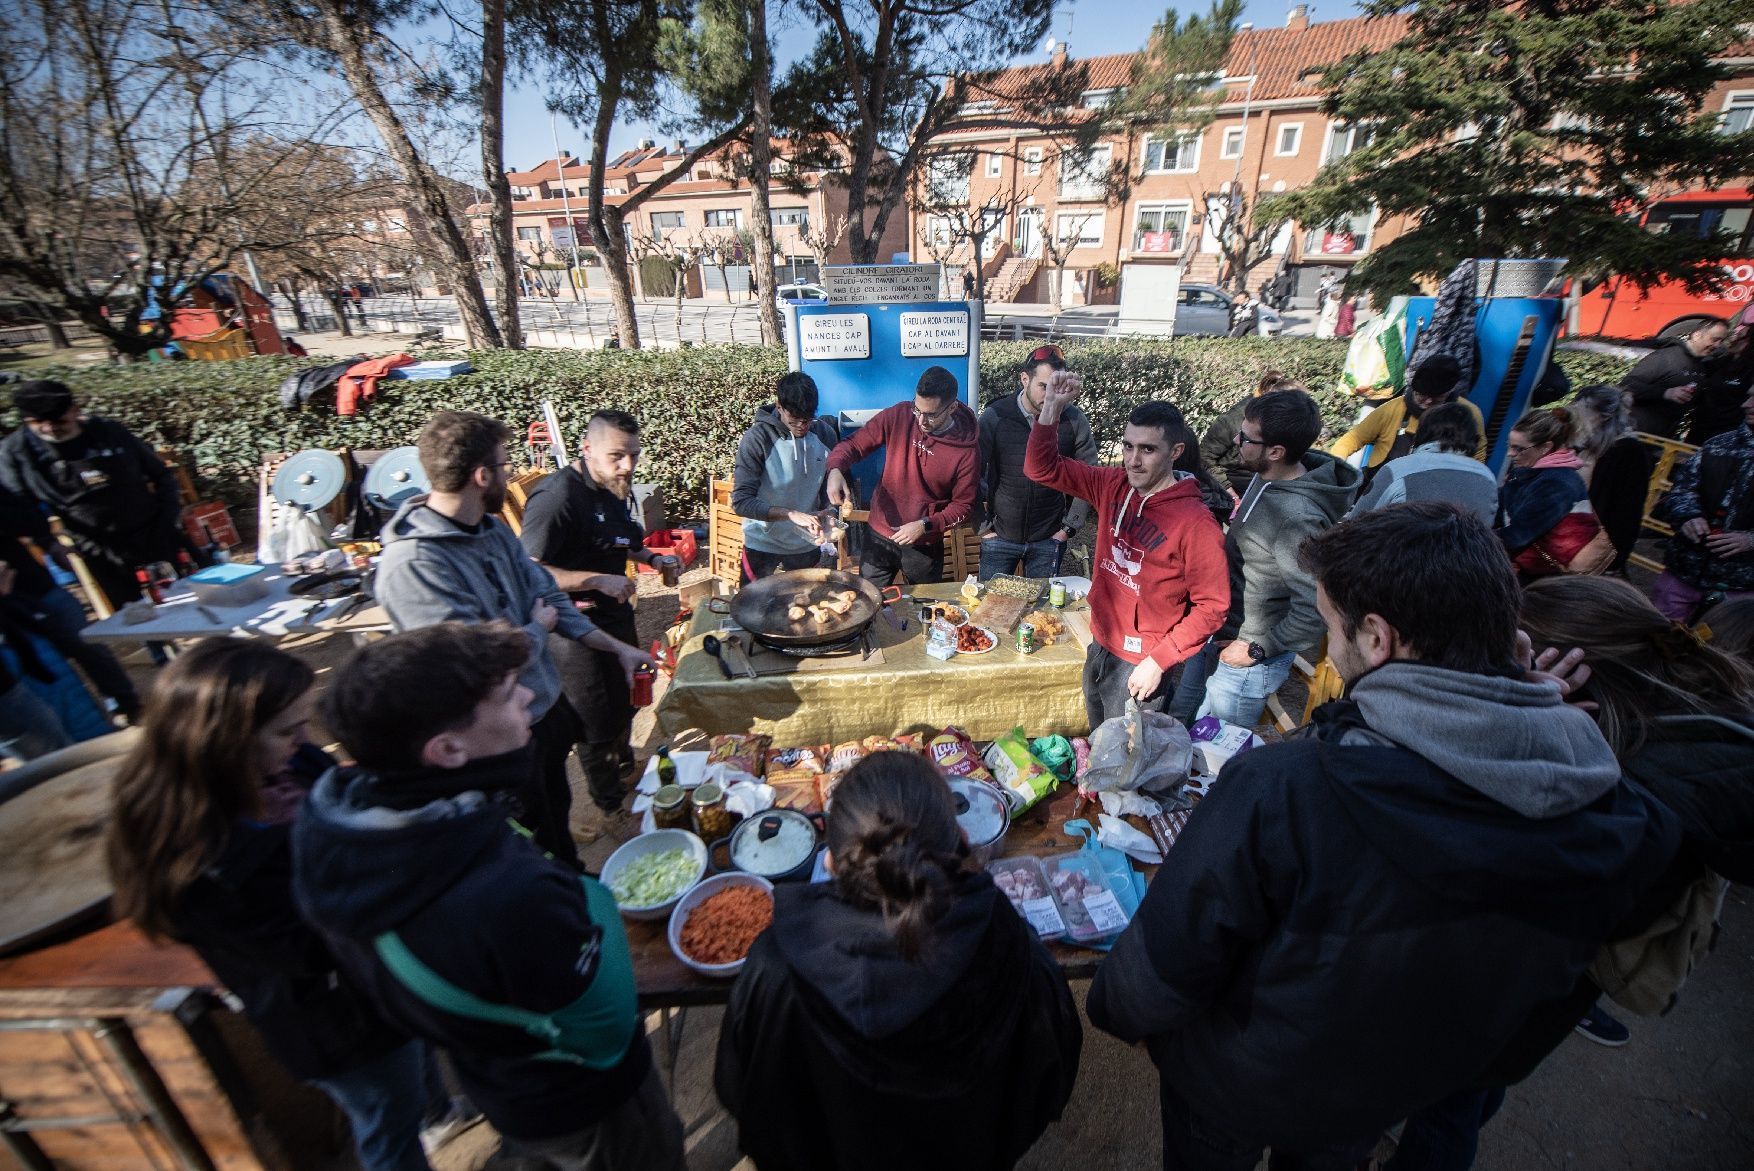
<point x="482" y="907"/>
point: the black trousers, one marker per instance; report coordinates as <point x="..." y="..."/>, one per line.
<point x="547" y="795"/>
<point x="1105" y="686"/>
<point x="883" y="559"/>
<point x="596" y="686"/>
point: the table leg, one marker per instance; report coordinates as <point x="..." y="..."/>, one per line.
<point x="670" y="1026"/>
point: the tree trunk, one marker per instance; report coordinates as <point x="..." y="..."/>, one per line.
<point x="767" y="309"/>
<point x="52" y="326"/>
<point x="427" y="203"/>
<point x="340" y="310"/>
<point x="605" y="219"/>
<point x="681" y="288"/>
<point x="499" y="189"/>
<point x="298" y="306"/>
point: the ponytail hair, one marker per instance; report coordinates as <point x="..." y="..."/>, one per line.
<point x="1555" y="425"/>
<point x="897" y="848"/>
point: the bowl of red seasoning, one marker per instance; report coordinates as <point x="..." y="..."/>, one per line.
<point x="715" y="924"/>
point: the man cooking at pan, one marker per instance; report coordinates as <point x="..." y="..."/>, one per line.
<point x="931" y="475"/>
<point x="579" y="526"/>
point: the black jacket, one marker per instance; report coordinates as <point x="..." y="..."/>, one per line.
<point x="1619" y="483"/>
<point x="835" y="1053"/>
<point x="128" y="503"/>
<point x="1718" y="406"/>
<point x="1668" y="366"/>
<point x="1016" y="507"/>
<point x="481" y="906"/>
<point x="298" y="389"/>
<point x="1699" y="767"/>
<point x="240" y="917"/>
<point x="1346" y="932"/>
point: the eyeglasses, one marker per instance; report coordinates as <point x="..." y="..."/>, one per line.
<point x="1046" y="354"/>
<point x="1518" y="448"/>
<point x="1243" y="440"/>
<point x="936" y="415"/>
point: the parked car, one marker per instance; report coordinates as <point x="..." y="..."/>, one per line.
<point x="797" y="294"/>
<point x="1204" y="310"/>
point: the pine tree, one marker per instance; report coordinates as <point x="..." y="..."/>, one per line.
<point x="1506" y="128"/>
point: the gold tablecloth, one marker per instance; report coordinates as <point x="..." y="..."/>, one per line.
<point x="985" y="695"/>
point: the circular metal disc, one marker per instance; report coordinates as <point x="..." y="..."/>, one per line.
<point x="312" y="477"/>
<point x="395" y="476"/>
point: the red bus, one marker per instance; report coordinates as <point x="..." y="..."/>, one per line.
<point x="1618" y="308"/>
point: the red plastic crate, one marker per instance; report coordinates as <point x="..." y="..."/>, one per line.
<point x="674" y="542"/>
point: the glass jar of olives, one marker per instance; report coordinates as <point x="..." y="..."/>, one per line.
<point x="670" y="808"/>
<point x="712" y="818"/>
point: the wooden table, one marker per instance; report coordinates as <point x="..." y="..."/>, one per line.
<point x="664" y="982"/>
<point x="907" y="692"/>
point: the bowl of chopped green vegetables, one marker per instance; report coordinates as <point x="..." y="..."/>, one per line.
<point x="651" y="873"/>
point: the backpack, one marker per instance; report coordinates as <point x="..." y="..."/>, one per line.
<point x="1644" y="973"/>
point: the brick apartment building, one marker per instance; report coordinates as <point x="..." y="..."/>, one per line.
<point x="710" y="201"/>
<point x="1270" y="135"/>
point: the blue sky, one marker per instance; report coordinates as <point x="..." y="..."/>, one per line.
<point x="1090" y="27"/>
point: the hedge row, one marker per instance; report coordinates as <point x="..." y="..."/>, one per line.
<point x="694" y="403"/>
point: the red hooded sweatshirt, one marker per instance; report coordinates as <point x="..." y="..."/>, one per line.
<point x="934" y="478"/>
<point x="1160" y="584"/>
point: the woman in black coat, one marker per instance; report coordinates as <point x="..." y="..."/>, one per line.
<point x="1617" y="465"/>
<point x="902" y="1014"/>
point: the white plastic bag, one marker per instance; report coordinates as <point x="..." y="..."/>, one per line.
<point x="1119" y="835"/>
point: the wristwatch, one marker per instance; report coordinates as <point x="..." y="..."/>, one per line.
<point x="1257" y="652"/>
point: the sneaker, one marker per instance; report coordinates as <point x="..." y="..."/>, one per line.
<point x="1603" y="1029"/>
<point x="458" y="1117"/>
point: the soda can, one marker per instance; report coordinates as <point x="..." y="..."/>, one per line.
<point x="641" y="692"/>
<point x="1056" y="592"/>
<point x="1026" y="638"/>
<point x="671" y="571"/>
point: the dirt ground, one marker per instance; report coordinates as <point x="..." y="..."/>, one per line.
<point x="1680" y="1097"/>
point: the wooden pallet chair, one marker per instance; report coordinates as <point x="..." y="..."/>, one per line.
<point x="517" y="494"/>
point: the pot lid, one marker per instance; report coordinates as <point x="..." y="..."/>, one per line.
<point x="980" y="810"/>
<point x="773" y="842"/>
<point x="395" y="476"/>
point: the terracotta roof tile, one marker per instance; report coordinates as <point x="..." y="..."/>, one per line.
<point x="1278" y="57"/>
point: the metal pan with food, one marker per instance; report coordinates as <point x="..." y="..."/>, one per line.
<point x="809" y="607"/>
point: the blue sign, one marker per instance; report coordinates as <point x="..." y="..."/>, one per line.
<point x="868" y="357"/>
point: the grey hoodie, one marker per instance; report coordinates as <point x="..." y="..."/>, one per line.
<point x="1512" y="740"/>
<point x="1272" y="600"/>
<point x="775" y="469"/>
<point x="433" y="571"/>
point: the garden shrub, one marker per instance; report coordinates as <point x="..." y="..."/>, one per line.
<point x="693" y="404"/>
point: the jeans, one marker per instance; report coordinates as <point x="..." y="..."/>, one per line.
<point x="1039" y="558"/>
<point x="386" y="1100"/>
<point x="29" y="727"/>
<point x="1190" y="687"/>
<point x="1445" y="1135"/>
<point x="1237" y="695"/>
<point x="1105" y="686"/>
<point x="63" y="619"/>
<point x="1192" y="1142"/>
<point x="883" y="559"/>
<point x="1679" y="601"/>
